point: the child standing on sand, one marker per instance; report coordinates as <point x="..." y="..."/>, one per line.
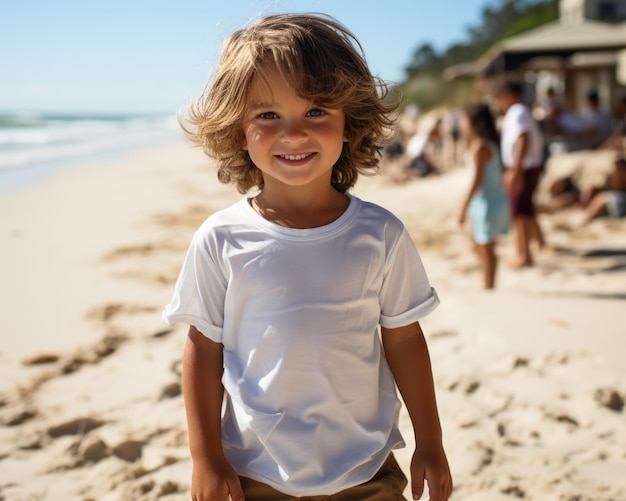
<point x="522" y="150"/>
<point x="289" y="391"/>
<point x="486" y="199"/>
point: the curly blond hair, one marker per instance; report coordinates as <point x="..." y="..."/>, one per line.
<point x="324" y="62"/>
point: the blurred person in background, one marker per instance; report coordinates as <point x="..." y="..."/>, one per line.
<point x="485" y="200"/>
<point x="522" y="150"/>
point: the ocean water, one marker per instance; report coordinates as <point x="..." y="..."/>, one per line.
<point x="33" y="145"/>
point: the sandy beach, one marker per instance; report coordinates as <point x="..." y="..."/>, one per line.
<point x="531" y="377"/>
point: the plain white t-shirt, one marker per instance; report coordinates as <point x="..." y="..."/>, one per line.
<point x="311" y="406"/>
<point x="518" y="121"/>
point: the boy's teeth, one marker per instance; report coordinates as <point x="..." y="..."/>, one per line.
<point x="295" y="157"/>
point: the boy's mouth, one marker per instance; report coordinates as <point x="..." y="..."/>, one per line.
<point x="297" y="157"/>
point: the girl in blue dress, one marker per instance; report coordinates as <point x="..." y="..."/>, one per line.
<point x="486" y="200"/>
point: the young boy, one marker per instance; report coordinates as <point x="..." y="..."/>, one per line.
<point x="521" y="148"/>
<point x="289" y="392"/>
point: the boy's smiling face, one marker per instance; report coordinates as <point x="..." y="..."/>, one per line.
<point x="291" y="140"/>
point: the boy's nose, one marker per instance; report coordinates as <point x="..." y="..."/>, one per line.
<point x="294" y="132"/>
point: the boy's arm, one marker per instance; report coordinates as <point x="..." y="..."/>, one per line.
<point x="407" y="356"/>
<point x="213" y="477"/>
<point x="515" y="176"/>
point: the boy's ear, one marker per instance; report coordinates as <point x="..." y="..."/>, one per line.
<point x="244" y="142"/>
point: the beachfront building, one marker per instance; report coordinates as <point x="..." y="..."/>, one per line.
<point x="583" y="51"/>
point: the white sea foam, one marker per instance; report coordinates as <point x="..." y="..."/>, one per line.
<point x="30" y="139"/>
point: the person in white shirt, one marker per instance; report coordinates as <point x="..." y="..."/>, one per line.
<point x="303" y="301"/>
<point x="522" y="150"/>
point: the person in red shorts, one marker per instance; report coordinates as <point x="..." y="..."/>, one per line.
<point x="522" y="150"/>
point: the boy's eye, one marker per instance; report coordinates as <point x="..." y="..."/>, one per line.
<point x="316" y="113"/>
<point x="269" y="115"/>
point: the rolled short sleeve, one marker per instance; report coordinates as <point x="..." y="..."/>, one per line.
<point x="406" y="294"/>
<point x="200" y="291"/>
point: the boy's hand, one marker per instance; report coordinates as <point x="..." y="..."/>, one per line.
<point x="215" y="480"/>
<point x="513" y="181"/>
<point x="429" y="462"/>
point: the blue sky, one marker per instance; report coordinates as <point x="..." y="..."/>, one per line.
<point x="155" y="55"/>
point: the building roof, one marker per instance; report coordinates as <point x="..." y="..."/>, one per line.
<point x="568" y="36"/>
<point x="557" y="38"/>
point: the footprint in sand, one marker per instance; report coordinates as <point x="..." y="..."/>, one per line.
<point x="108" y="345"/>
<point x="486" y="458"/>
<point x="564" y="358"/>
<point x="467" y="385"/>
<point x="141" y="471"/>
<point x="41" y="359"/>
<point x="177" y="367"/>
<point x="78" y="426"/>
<point x="609" y="398"/>
<point x="171" y="390"/>
<point x="161" y="277"/>
<point x="508" y="364"/>
<point x="515" y="491"/>
<point x="168" y="488"/>
<point x="94" y="451"/>
<point x="162" y="333"/>
<point x="107" y="312"/>
<point x="129" y="450"/>
<point x="137" y="250"/>
<point x="571" y="423"/>
<point x="20" y="417"/>
<point x="443" y="334"/>
<point x="34" y="445"/>
<point x="146" y="487"/>
<point x="192" y="217"/>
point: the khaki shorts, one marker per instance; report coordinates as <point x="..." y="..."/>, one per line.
<point x="387" y="485"/>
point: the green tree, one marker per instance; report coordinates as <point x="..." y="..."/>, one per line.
<point x="424" y="59"/>
<point x="424" y="80"/>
